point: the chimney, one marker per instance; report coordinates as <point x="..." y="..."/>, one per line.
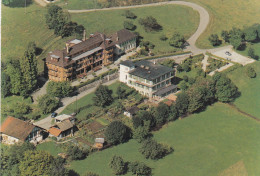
<point x="84" y="35"/>
<point x="154" y="62"/>
<point x="67" y="47"/>
<point x="91" y="35"/>
<point x="117" y="38"/>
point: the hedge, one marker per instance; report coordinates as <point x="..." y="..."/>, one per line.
<point x="161" y="56"/>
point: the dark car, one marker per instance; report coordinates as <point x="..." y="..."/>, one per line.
<point x="54" y="114"/>
<point x="228" y="53"/>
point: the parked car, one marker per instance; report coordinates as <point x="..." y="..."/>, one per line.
<point x="54" y="114"/>
<point x="228" y="53"/>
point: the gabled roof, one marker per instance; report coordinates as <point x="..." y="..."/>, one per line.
<point x="16" y="128"/>
<point x="64" y="125"/>
<point x="127" y="63"/>
<point x="123" y="35"/>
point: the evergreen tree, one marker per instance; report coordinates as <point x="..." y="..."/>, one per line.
<point x="103" y="96"/>
<point x="16" y="80"/>
<point x="29" y="67"/>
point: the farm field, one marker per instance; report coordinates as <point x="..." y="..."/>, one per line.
<point x="249" y="101"/>
<point x="185" y="22"/>
<point x="204" y="144"/>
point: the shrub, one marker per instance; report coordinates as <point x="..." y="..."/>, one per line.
<point x="163" y="37"/>
<point x="129" y="25"/>
<point x="48" y="103"/>
<point x="139" y="168"/>
<point x="214" y="40"/>
<point x="177" y="40"/>
<point x="153" y="150"/>
<point x="150" y="24"/>
<point x="59" y="89"/>
<point x="118" y="165"/>
<point x="250" y="72"/>
<point x="129" y="14"/>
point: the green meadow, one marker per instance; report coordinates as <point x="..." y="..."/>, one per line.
<point x="204" y="144"/>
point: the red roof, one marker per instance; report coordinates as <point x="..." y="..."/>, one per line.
<point x="54" y="131"/>
<point x="16" y="128"/>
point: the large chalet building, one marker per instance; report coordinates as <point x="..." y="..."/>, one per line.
<point x="148" y="78"/>
<point x="80" y="57"/>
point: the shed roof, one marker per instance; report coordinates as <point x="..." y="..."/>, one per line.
<point x="55" y="131"/>
<point x="133" y="110"/>
<point x="100" y="140"/>
<point x="16" y="128"/>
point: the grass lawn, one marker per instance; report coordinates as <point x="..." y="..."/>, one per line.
<point x="204" y="144"/>
<point x="50" y="147"/>
<point x="185" y="21"/>
<point x="249" y="101"/>
<point x="255" y="46"/>
<point x="226" y="14"/>
<point x="20" y="28"/>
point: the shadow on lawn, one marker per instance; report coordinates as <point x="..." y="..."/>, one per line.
<point x="17" y="3"/>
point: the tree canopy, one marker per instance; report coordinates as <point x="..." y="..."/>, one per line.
<point x="118" y="165"/>
<point x="48" y="103"/>
<point x="59" y="89"/>
<point x="117" y="132"/>
<point x="150" y="24"/>
<point x="177" y="40"/>
<point x="103" y="96"/>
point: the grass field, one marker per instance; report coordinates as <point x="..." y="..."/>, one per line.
<point x="226" y="14"/>
<point x="185" y="22"/>
<point x="204" y="144"/>
<point x="50" y="147"/>
<point x="249" y="101"/>
<point x="255" y="46"/>
<point x="20" y="28"/>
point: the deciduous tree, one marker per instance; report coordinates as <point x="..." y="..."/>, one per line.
<point x="117" y="132"/>
<point x="118" y="165"/>
<point x="139" y="168"/>
<point x="177" y="40"/>
<point x="48" y="103"/>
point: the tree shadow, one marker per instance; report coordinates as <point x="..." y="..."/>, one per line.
<point x="73" y="173"/>
<point x="38" y="51"/>
<point x="17" y="3"/>
<point x="242" y="47"/>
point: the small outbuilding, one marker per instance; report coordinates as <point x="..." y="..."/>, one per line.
<point x="130" y="112"/>
<point x="62" y="129"/>
<point x="99" y="143"/>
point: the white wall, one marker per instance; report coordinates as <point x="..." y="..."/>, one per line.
<point x="123" y="73"/>
<point x="9" y="139"/>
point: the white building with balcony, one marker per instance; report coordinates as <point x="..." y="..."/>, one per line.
<point x="150" y="79"/>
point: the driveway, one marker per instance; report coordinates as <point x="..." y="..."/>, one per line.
<point x="235" y="57"/>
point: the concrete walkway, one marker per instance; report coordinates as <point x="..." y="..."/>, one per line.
<point x="205" y="62"/>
